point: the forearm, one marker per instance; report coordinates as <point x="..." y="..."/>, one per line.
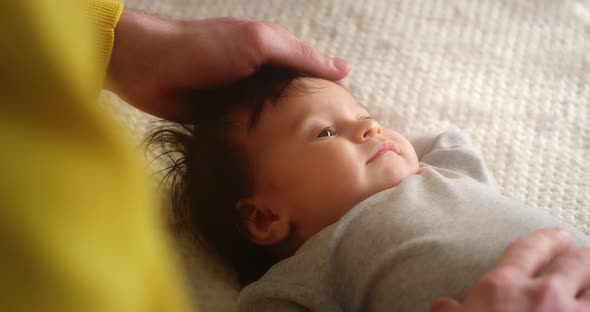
<point x="142" y="44"/>
<point x="132" y="26"/>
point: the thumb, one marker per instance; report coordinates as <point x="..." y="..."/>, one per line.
<point x="301" y="57"/>
<point x="445" y="305"/>
<point x="281" y="48"/>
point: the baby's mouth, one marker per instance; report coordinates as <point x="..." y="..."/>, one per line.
<point x="382" y="148"/>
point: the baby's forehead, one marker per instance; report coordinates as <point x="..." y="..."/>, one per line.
<point x="305" y="100"/>
<point x="310" y="85"/>
<point x="304" y="97"/>
<point x="316" y="93"/>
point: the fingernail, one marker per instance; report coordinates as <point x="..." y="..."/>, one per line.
<point x="563" y="234"/>
<point x="340" y="64"/>
<point x="343" y="82"/>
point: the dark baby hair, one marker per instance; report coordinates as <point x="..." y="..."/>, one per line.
<point x="207" y="177"/>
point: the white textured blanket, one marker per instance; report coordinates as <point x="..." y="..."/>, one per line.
<point x="513" y="75"/>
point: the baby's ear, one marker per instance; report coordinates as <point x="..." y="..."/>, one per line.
<point x="265" y="226"/>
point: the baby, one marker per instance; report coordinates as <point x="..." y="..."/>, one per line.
<point x="320" y="208"/>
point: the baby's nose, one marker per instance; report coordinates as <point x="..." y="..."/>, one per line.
<point x="369" y="128"/>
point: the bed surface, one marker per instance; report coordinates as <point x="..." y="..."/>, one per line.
<point x="512" y="75"/>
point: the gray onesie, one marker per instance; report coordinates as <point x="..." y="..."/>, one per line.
<point x="435" y="234"/>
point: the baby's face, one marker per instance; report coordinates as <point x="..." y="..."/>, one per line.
<point x="315" y="155"/>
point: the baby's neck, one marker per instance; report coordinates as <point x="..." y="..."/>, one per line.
<point x="285" y="248"/>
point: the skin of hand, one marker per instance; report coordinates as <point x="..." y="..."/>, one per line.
<point x="538" y="272"/>
<point x="155" y="61"/>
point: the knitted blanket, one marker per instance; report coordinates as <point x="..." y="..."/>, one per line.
<point x="512" y="75"/>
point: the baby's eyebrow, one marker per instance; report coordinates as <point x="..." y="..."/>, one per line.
<point x="304" y="115"/>
<point x="364" y="107"/>
<point x="299" y="119"/>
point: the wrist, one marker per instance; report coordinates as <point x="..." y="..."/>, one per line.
<point x="129" y="24"/>
<point x="139" y="45"/>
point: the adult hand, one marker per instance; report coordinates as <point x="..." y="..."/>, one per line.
<point x="154" y="60"/>
<point x="536" y="273"/>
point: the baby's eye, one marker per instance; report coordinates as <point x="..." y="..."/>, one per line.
<point x="327" y="132"/>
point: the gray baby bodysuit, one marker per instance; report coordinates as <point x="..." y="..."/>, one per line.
<point x="435" y="234"/>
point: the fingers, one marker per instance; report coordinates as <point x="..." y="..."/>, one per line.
<point x="281" y="48"/>
<point x="584" y="298"/>
<point x="529" y="254"/>
<point x="573" y="268"/>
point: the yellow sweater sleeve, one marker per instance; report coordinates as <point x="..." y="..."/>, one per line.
<point x="79" y="227"/>
<point x="104" y="15"/>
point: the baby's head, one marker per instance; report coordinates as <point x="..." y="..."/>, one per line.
<point x="276" y="158"/>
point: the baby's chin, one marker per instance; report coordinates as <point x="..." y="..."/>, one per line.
<point x="395" y="180"/>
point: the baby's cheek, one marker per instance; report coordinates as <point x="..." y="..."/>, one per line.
<point x="389" y="132"/>
<point x="339" y="171"/>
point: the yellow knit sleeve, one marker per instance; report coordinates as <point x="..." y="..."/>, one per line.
<point x="104" y="15"/>
<point x="80" y="227"/>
